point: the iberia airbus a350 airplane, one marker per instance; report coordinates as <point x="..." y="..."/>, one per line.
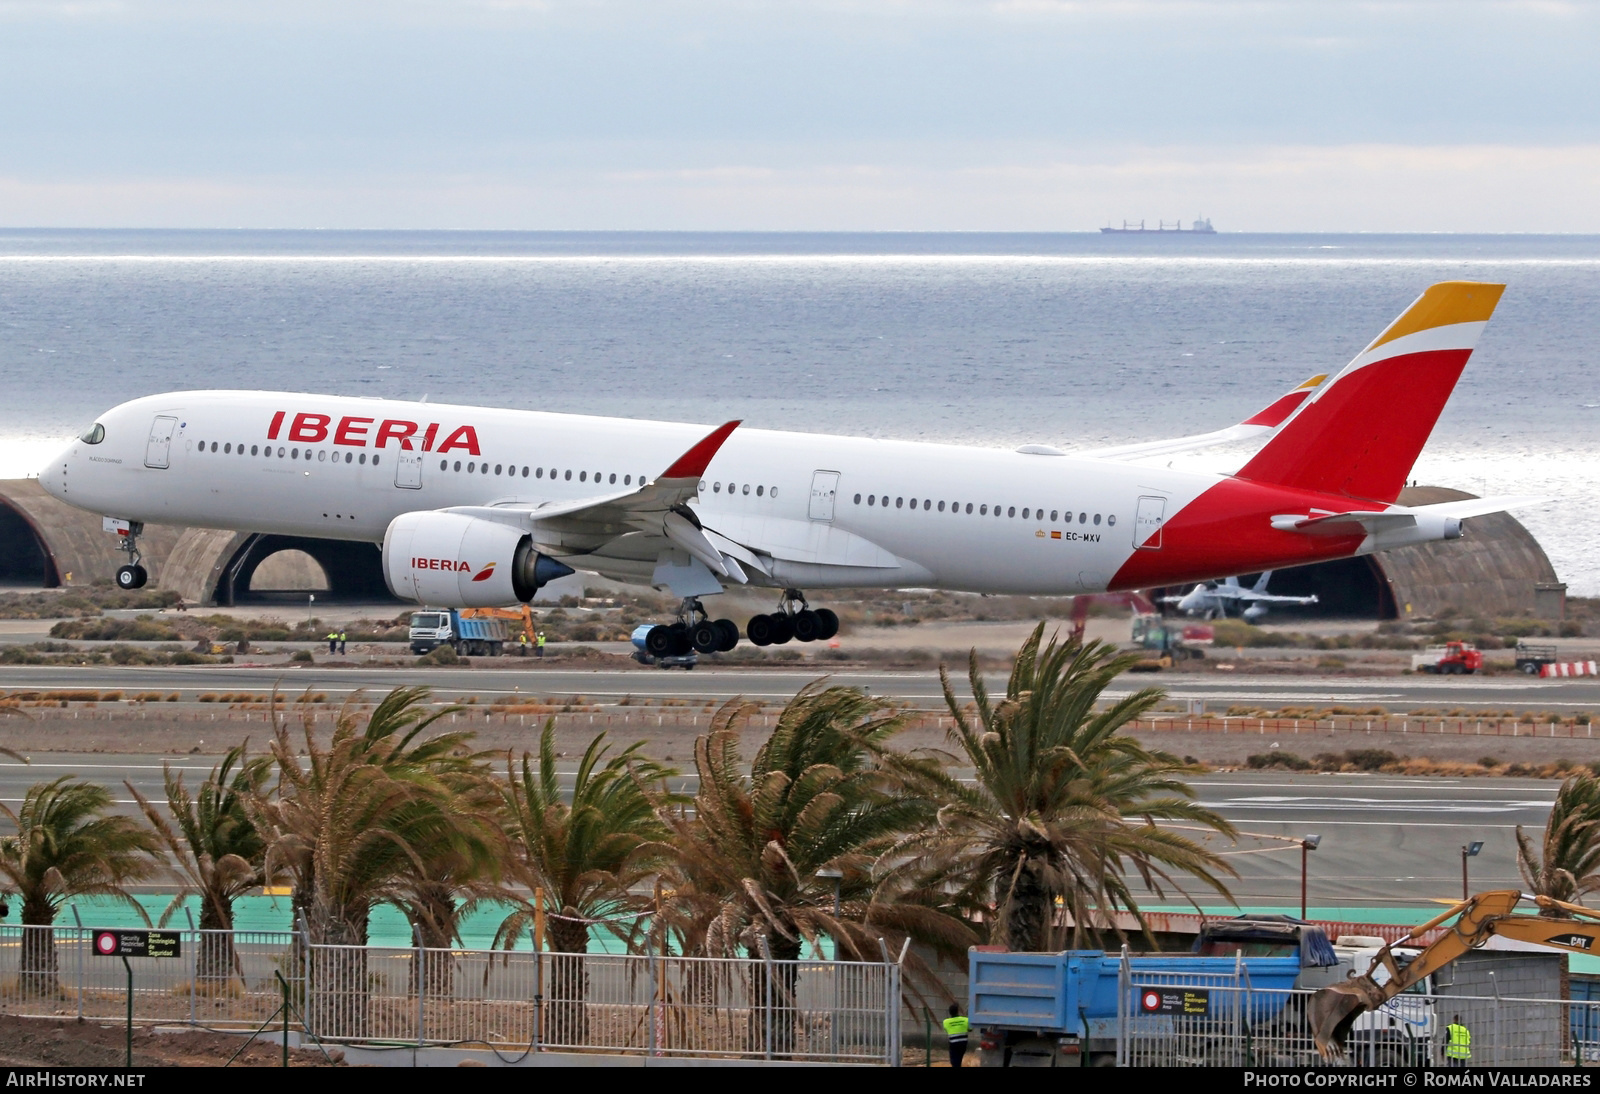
<point x="479" y="507"/>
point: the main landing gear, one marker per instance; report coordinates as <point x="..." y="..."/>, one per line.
<point x="132" y="575"/>
<point x="795" y="620"/>
<point x="695" y="630"/>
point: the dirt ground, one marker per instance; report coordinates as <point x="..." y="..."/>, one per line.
<point x="57" y="1042"/>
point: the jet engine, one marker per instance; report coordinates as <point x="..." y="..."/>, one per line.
<point x="454" y="561"/>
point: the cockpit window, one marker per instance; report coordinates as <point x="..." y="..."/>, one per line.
<point x="94" y="434"/>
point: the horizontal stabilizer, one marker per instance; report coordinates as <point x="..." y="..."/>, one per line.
<point x="1395" y="518"/>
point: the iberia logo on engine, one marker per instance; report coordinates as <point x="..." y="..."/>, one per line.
<point x="454" y="566"/>
<point x="441" y="564"/>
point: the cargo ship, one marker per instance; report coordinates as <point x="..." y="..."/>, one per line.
<point x="1200" y="227"/>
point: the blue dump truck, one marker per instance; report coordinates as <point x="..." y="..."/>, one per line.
<point x="1065" y="1009"/>
<point x="433" y="628"/>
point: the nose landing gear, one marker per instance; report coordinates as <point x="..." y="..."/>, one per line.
<point x="794" y="620"/>
<point x="131" y="575"/>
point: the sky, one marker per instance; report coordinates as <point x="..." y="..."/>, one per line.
<point x="1026" y="115"/>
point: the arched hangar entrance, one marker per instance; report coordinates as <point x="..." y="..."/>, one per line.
<point x="271" y="567"/>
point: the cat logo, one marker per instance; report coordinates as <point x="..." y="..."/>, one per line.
<point x="1572" y="941"/>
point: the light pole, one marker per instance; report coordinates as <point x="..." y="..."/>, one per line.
<point x="1468" y="850"/>
<point x="835" y="875"/>
<point x="1307" y="845"/>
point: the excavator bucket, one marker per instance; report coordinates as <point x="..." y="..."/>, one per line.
<point x="1332" y="1011"/>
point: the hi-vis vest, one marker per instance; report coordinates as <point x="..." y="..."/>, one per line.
<point x="1460" y="1046"/>
<point x="957" y="1028"/>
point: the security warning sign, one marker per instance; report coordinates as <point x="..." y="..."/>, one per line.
<point x="114" y="943"/>
<point x="1173" y="1001"/>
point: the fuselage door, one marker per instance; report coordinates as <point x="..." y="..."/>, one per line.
<point x="158" y="450"/>
<point x="408" y="471"/>
<point x="1147" y="523"/>
<point x="824" y="486"/>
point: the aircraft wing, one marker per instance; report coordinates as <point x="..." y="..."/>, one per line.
<point x="655" y="509"/>
<point x="1250" y="596"/>
<point x="1258" y="425"/>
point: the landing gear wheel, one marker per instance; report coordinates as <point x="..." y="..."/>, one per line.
<point x="759" y="630"/>
<point x="830" y="624"/>
<point x="681" y="643"/>
<point x="658" y="641"/>
<point x="781" y="628"/>
<point x="730" y="635"/>
<point x="706" y="637"/>
<point x="807" y="627"/>
<point x="131" y="577"/>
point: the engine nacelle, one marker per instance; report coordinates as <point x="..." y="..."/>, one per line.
<point x="454" y="561"/>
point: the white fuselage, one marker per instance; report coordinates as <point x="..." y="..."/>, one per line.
<point x="975" y="519"/>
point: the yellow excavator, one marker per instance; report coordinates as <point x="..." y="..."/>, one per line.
<point x="1335" y="1008"/>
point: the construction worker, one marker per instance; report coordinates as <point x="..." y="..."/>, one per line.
<point x="333" y="641"/>
<point x="524" y="640"/>
<point x="956" y="1027"/>
<point x="341" y="640"/>
<point x="538" y="647"/>
<point x="1457" y="1044"/>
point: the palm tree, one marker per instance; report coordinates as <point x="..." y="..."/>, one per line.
<point x="747" y="857"/>
<point x="1062" y="802"/>
<point x="65" y="846"/>
<point x="1565" y="864"/>
<point x="216" y="847"/>
<point x="586" y="852"/>
<point x="353" y="822"/>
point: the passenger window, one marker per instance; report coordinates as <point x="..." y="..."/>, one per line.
<point x="1111" y="521"/>
<point x="1012" y="511"/>
<point x="745" y="490"/>
<point x="444" y="465"/>
<point x="1097" y="518"/>
<point x="213" y="446"/>
<point x="226" y="449"/>
<point x="458" y="465"/>
<point x="941" y="507"/>
<point x="1082" y="517"/>
<point x="1052" y="516"/>
<point x="613" y="478"/>
<point x="872" y="499"/>
<point x="322" y="456"/>
<point x="983" y="510"/>
<point x="760" y="490"/>
<point x="1024" y="514"/>
<point x="471" y="467"/>
<point x="485" y="469"/>
<point x="496" y="468"/>
<point x="858" y="499"/>
<point x="374" y="459"/>
<point x="294" y="453"/>
<point x="280" y="452"/>
<point x="538" y="472"/>
<point x="716" y="488"/>
<point x="348" y="456"/>
<point x="627" y="480"/>
<point x="773" y="492"/>
<point x="524" y="472"/>
<point x="898" y="502"/>
<point x="568" y="476"/>
<point x="583" y="476"/>
<point x="969" y="508"/>
<point x="253" y="449"/>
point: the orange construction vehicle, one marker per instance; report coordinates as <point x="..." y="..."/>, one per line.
<point x="522" y="615"/>
<point x="1334" y="1009"/>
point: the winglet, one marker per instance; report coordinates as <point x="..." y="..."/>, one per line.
<point x="1279" y="410"/>
<point x="693" y="463"/>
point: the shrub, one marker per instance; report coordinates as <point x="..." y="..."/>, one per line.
<point x="1263" y="760"/>
<point x="1370" y="759"/>
<point x="303" y="657"/>
<point x="439" y="655"/>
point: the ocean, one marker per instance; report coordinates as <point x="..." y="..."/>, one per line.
<point x="1076" y="340"/>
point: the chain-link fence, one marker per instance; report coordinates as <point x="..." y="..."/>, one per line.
<point x="1222" y="1021"/>
<point x="517" y="1000"/>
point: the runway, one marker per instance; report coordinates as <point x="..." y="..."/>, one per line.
<point x="711" y="682"/>
<point x="1387" y="841"/>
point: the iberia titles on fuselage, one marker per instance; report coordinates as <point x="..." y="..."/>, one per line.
<point x="476" y="506"/>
